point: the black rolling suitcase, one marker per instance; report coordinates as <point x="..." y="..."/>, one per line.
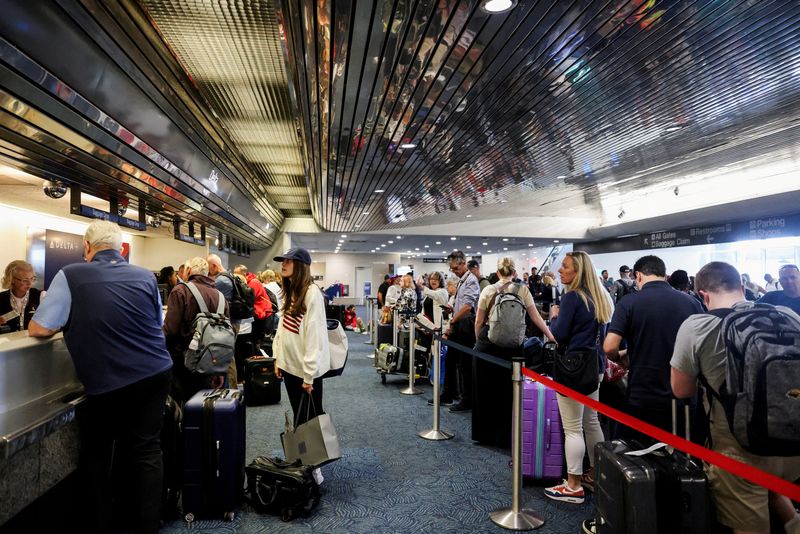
<point x="384" y="334"/>
<point x="214" y="437"/>
<point x="682" y="494"/>
<point x="172" y="455"/>
<point x="335" y="311"/>
<point x="261" y="386"/>
<point x="625" y="490"/>
<point x="666" y="487"/>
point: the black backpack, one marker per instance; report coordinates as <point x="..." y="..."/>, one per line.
<point x="272" y="318"/>
<point x="243" y="299"/>
<point x="760" y="394"/>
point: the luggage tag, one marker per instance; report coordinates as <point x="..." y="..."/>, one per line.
<point x="646" y="451"/>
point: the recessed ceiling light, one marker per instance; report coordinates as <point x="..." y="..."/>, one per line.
<point x="524" y="253"/>
<point x="489" y="251"/>
<point x="494" y="7"/>
<point x="358" y="226"/>
<point x="391" y="242"/>
<point x="505" y="239"/>
<point x="530" y="244"/>
<point x="408" y="145"/>
<point x="444" y="252"/>
<point x="484" y="243"/>
<point x="344" y="235"/>
<point x="341" y="241"/>
<point x="505" y="248"/>
<point x="380" y="190"/>
<point x="427" y="246"/>
<point x="469" y="246"/>
<point x="555" y="240"/>
<point x="452" y="239"/>
<point x="455" y="249"/>
<point x="399" y="237"/>
<point x="382" y="246"/>
<point x="365" y="213"/>
<point x="438" y="242"/>
<point x="468" y="216"/>
<point x="313" y="251"/>
<point x="416" y="249"/>
<point x="560" y="177"/>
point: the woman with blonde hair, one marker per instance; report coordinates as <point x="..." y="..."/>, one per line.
<point x="20" y="295"/>
<point x="579" y="324"/>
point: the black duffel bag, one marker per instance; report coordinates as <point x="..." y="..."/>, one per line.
<point x="277" y="487"/>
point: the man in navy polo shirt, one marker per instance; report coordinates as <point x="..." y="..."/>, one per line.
<point x="111" y="315"/>
<point x="648" y="320"/>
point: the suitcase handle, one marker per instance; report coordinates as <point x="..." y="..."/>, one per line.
<point x="548" y="433"/>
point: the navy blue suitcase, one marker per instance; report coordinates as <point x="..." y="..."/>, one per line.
<point x="214" y="437"/>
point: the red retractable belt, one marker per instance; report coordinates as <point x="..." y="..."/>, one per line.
<point x="748" y="472"/>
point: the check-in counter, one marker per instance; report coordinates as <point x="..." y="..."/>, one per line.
<point x="39" y="393"/>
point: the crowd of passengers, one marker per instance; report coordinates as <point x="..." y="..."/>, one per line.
<point x="653" y="337"/>
<point x="649" y="329"/>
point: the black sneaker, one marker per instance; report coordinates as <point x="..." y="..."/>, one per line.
<point x="460" y="407"/>
<point x="442" y="402"/>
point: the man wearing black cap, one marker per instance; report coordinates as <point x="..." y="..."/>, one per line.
<point x="624" y="285"/>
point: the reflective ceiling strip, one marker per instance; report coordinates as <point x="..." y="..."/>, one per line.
<point x="233" y="52"/>
<point x="553" y="95"/>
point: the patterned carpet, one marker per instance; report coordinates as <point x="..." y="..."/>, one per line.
<point x="390" y="480"/>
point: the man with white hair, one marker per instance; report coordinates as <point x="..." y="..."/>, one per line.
<point x="111" y="315"/>
<point x="182" y="308"/>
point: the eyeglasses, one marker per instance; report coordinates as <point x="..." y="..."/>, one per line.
<point x="24" y="280"/>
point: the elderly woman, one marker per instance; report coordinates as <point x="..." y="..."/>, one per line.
<point x="19" y="297"/>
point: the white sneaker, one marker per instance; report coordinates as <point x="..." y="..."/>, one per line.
<point x="317" y="474"/>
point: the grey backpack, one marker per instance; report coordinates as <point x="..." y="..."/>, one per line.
<point x="211" y="348"/>
<point x="761" y="392"/>
<point x="507" y="317"/>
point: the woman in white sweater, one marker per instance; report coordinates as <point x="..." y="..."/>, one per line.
<point x="300" y="346"/>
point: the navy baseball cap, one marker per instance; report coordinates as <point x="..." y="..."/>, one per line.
<point x="296" y="254"/>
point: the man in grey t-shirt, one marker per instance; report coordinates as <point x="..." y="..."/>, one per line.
<point x="700" y="349"/>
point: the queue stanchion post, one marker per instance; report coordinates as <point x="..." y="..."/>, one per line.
<point x="435" y="433"/>
<point x="370" y="314"/>
<point x="395" y="326"/>
<point x="412" y="371"/>
<point x="517" y="518"/>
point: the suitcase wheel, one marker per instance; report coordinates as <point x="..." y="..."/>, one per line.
<point x="229" y="516"/>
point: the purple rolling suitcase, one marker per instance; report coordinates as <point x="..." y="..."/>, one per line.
<point x="542" y="440"/>
<point x="214" y="437"/>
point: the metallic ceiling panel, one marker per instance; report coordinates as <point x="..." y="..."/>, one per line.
<point x="579" y="100"/>
<point x="232" y="51"/>
<point x="156" y="146"/>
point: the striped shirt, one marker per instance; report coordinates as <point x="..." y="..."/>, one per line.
<point x="292" y="323"/>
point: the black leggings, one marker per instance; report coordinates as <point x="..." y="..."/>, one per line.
<point x="294" y="388"/>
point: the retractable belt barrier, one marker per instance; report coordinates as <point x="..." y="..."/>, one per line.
<point x="757" y="476"/>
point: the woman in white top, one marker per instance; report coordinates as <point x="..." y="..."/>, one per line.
<point x="435" y="297"/>
<point x="300" y="346"/>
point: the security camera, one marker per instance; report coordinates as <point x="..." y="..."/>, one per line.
<point x="676" y="191"/>
<point x="54" y="188"/>
<point x="621" y="213"/>
<point x="155" y="221"/>
<point x="122" y="206"/>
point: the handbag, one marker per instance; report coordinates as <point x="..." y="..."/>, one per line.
<point x="284" y="488"/>
<point x="577" y="369"/>
<point x="337" y="343"/>
<point x="315" y="442"/>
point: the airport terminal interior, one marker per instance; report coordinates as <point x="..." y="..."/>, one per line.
<point x="380" y="136"/>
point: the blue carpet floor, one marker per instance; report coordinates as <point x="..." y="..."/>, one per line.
<point x="390" y="480"/>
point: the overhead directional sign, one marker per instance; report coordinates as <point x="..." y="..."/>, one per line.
<point x="763" y="228"/>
